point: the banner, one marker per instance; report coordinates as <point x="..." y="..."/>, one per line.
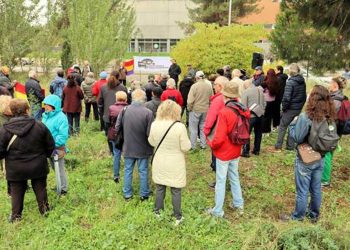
<point x="151" y="64"/>
<point x="129" y="66"/>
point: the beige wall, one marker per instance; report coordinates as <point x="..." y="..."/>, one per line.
<point x="158" y="18"/>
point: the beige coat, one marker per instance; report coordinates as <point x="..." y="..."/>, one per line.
<point x="199" y="96"/>
<point x="169" y="166"/>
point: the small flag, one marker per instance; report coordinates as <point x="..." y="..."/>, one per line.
<point x="129" y="66"/>
<point x="20" y="91"/>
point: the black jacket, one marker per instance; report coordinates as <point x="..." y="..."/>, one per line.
<point x="33" y="91"/>
<point x="149" y="88"/>
<point x="174" y="71"/>
<point x="6" y="83"/>
<point x="185" y="86"/>
<point x="282" y="79"/>
<point x="294" y="96"/>
<point x="27" y="156"/>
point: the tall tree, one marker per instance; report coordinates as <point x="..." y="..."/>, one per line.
<point x="324" y="14"/>
<point x="296" y="40"/>
<point x="17" y="32"/>
<point x="99" y="31"/>
<point x="216" y="11"/>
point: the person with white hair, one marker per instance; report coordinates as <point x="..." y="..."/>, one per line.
<point x="172" y="93"/>
<point x="293" y="101"/>
<point x="135" y="123"/>
<point x="34" y="94"/>
<point x="236" y="75"/>
<point x="198" y="105"/>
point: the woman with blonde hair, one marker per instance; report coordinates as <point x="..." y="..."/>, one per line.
<point x="169" y="138"/>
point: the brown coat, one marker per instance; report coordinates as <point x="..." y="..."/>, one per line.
<point x="71" y="98"/>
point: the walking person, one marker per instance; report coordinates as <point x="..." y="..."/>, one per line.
<point x="89" y="98"/>
<point x="169" y="166"/>
<point x="113" y="111"/>
<point x="72" y="96"/>
<point x="58" y="84"/>
<point x="293" y="101"/>
<point x="136" y="124"/>
<point x="198" y="105"/>
<point x="34" y="94"/>
<point x="25" y="144"/>
<point x="254" y="99"/>
<point x="56" y="121"/>
<point x="226" y="151"/>
<point x="320" y="107"/>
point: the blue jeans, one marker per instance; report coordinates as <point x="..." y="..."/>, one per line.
<point x="129" y="164"/>
<point x="116" y="160"/>
<point x="222" y="169"/>
<point x="307" y="180"/>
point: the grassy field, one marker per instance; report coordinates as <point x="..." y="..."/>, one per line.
<point x="94" y="214"/>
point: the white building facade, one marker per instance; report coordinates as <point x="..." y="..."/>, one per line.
<point x="157" y="28"/>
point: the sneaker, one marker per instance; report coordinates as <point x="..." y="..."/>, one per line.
<point x="256" y="153"/>
<point x="127" y="199"/>
<point x="325" y="184"/>
<point x="212" y="185"/>
<point x="63" y="193"/>
<point x="245" y="155"/>
<point x="157" y="215"/>
<point x="143" y="198"/>
<point x="210" y="212"/>
<point x="239" y="210"/>
<point x="116" y="179"/>
<point x="285" y="217"/>
<point x="178" y="221"/>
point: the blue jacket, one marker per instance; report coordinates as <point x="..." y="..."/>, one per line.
<point x="57" y="86"/>
<point x="300" y="129"/>
<point x="56" y="121"/>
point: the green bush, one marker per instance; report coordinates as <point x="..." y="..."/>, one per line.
<point x="212" y="46"/>
<point x="306" y="238"/>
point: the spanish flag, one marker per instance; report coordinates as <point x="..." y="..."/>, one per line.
<point x="129" y="66"/>
<point x="20" y="91"/>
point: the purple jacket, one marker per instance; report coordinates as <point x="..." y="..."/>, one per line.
<point x="114" y="110"/>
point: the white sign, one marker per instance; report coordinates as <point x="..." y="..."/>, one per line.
<point x="151" y="64"/>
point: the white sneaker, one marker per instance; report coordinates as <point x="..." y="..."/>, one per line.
<point x="178" y="221"/>
<point x="239" y="210"/>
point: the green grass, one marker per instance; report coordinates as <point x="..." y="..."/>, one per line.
<point x="94" y="214"/>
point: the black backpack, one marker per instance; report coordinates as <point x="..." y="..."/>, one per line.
<point x="323" y="136"/>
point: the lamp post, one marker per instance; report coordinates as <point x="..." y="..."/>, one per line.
<point x="229" y="13"/>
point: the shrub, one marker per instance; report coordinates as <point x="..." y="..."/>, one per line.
<point x="212" y="46"/>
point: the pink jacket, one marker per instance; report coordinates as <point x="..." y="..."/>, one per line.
<point x="216" y="105"/>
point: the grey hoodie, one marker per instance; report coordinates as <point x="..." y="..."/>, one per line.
<point x="86" y="86"/>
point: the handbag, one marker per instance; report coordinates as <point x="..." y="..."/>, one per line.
<point x="307" y="155"/>
<point x="155" y="151"/>
<point x="119" y="138"/>
<point x="256" y="108"/>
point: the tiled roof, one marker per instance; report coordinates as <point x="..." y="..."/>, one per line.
<point x="266" y="13"/>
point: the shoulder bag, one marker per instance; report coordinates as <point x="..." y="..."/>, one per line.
<point x="119" y="138"/>
<point x="155" y="151"/>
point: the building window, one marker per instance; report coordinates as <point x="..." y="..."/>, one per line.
<point x="150" y="45"/>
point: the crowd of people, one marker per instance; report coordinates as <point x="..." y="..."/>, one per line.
<point x="143" y="123"/>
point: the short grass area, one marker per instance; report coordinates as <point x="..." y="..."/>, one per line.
<point x="94" y="214"/>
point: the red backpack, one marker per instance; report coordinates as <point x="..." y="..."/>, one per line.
<point x="343" y="122"/>
<point x="240" y="133"/>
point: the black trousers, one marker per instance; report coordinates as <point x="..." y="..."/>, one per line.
<point x="18" y="190"/>
<point x="102" y="123"/>
<point x="256" y="124"/>
<point x="176" y="200"/>
<point x="88" y="110"/>
<point x="74" y="122"/>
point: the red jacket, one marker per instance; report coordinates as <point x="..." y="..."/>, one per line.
<point x="216" y="105"/>
<point x="97" y="87"/>
<point x="221" y="145"/>
<point x="172" y="94"/>
<point x="71" y="98"/>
